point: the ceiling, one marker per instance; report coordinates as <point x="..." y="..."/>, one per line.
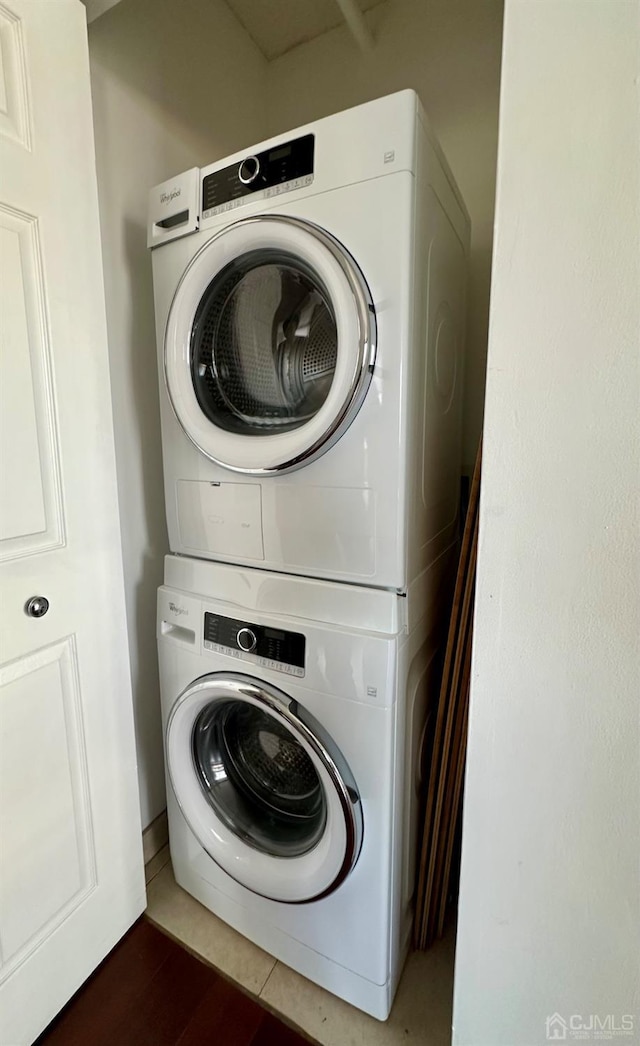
<point x="276" y="26"/>
<point x="95" y="8"/>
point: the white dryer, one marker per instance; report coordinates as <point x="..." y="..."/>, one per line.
<point x="310" y="323"/>
<point x="294" y="717"/>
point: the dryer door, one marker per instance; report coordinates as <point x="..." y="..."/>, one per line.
<point x="265" y="791"/>
<point x="270" y="345"/>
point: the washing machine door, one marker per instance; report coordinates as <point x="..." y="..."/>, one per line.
<point x="264" y="790"/>
<point x="270" y="345"/>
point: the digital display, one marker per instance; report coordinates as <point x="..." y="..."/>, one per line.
<point x="272" y="633"/>
<point x="279" y="154"/>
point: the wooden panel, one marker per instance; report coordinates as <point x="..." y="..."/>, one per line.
<point x="46" y="858"/>
<point x="31" y="517"/>
<point x="444" y="792"/>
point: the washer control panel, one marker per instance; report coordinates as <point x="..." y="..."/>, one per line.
<point x="281" y="169"/>
<point x="269" y="647"/>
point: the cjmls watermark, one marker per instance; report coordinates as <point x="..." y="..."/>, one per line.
<point x="591" y="1026"/>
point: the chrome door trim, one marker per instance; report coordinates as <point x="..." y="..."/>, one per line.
<point x="238" y="686"/>
<point x="367" y="346"/>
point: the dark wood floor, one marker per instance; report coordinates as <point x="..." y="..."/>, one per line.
<point x="151" y="992"/>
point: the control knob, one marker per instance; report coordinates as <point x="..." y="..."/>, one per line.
<point x="249" y="170"/>
<point x="246" y="640"/>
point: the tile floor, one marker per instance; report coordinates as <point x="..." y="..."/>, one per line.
<point x="421" y="1013"/>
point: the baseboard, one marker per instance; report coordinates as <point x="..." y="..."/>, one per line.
<point x="155" y="836"/>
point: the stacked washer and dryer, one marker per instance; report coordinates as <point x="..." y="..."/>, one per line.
<point x="309" y="308"/>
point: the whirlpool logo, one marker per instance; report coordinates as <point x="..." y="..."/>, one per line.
<point x="175" y="609"/>
<point x="167" y="197"/>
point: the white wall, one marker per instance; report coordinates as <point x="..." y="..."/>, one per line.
<point x="449" y="52"/>
<point x="167" y="95"/>
<point x="549" y="910"/>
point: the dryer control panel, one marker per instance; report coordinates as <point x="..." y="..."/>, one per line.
<point x="269" y="647"/>
<point x="281" y="169"/>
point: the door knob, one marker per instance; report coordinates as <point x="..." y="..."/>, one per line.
<point x="37" y="606"/>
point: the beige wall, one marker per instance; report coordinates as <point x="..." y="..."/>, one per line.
<point x="449" y="52"/>
<point x="166" y="96"/>
<point x="549" y="901"/>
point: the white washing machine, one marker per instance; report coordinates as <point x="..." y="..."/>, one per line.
<point x="294" y="716"/>
<point x="310" y="323"/>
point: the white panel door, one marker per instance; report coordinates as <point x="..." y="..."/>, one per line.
<point x="71" y="875"/>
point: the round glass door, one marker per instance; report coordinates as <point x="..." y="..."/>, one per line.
<point x="269" y="792"/>
<point x="270" y="345"/>
<point x="265" y="791"/>
<point x="264" y="345"/>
